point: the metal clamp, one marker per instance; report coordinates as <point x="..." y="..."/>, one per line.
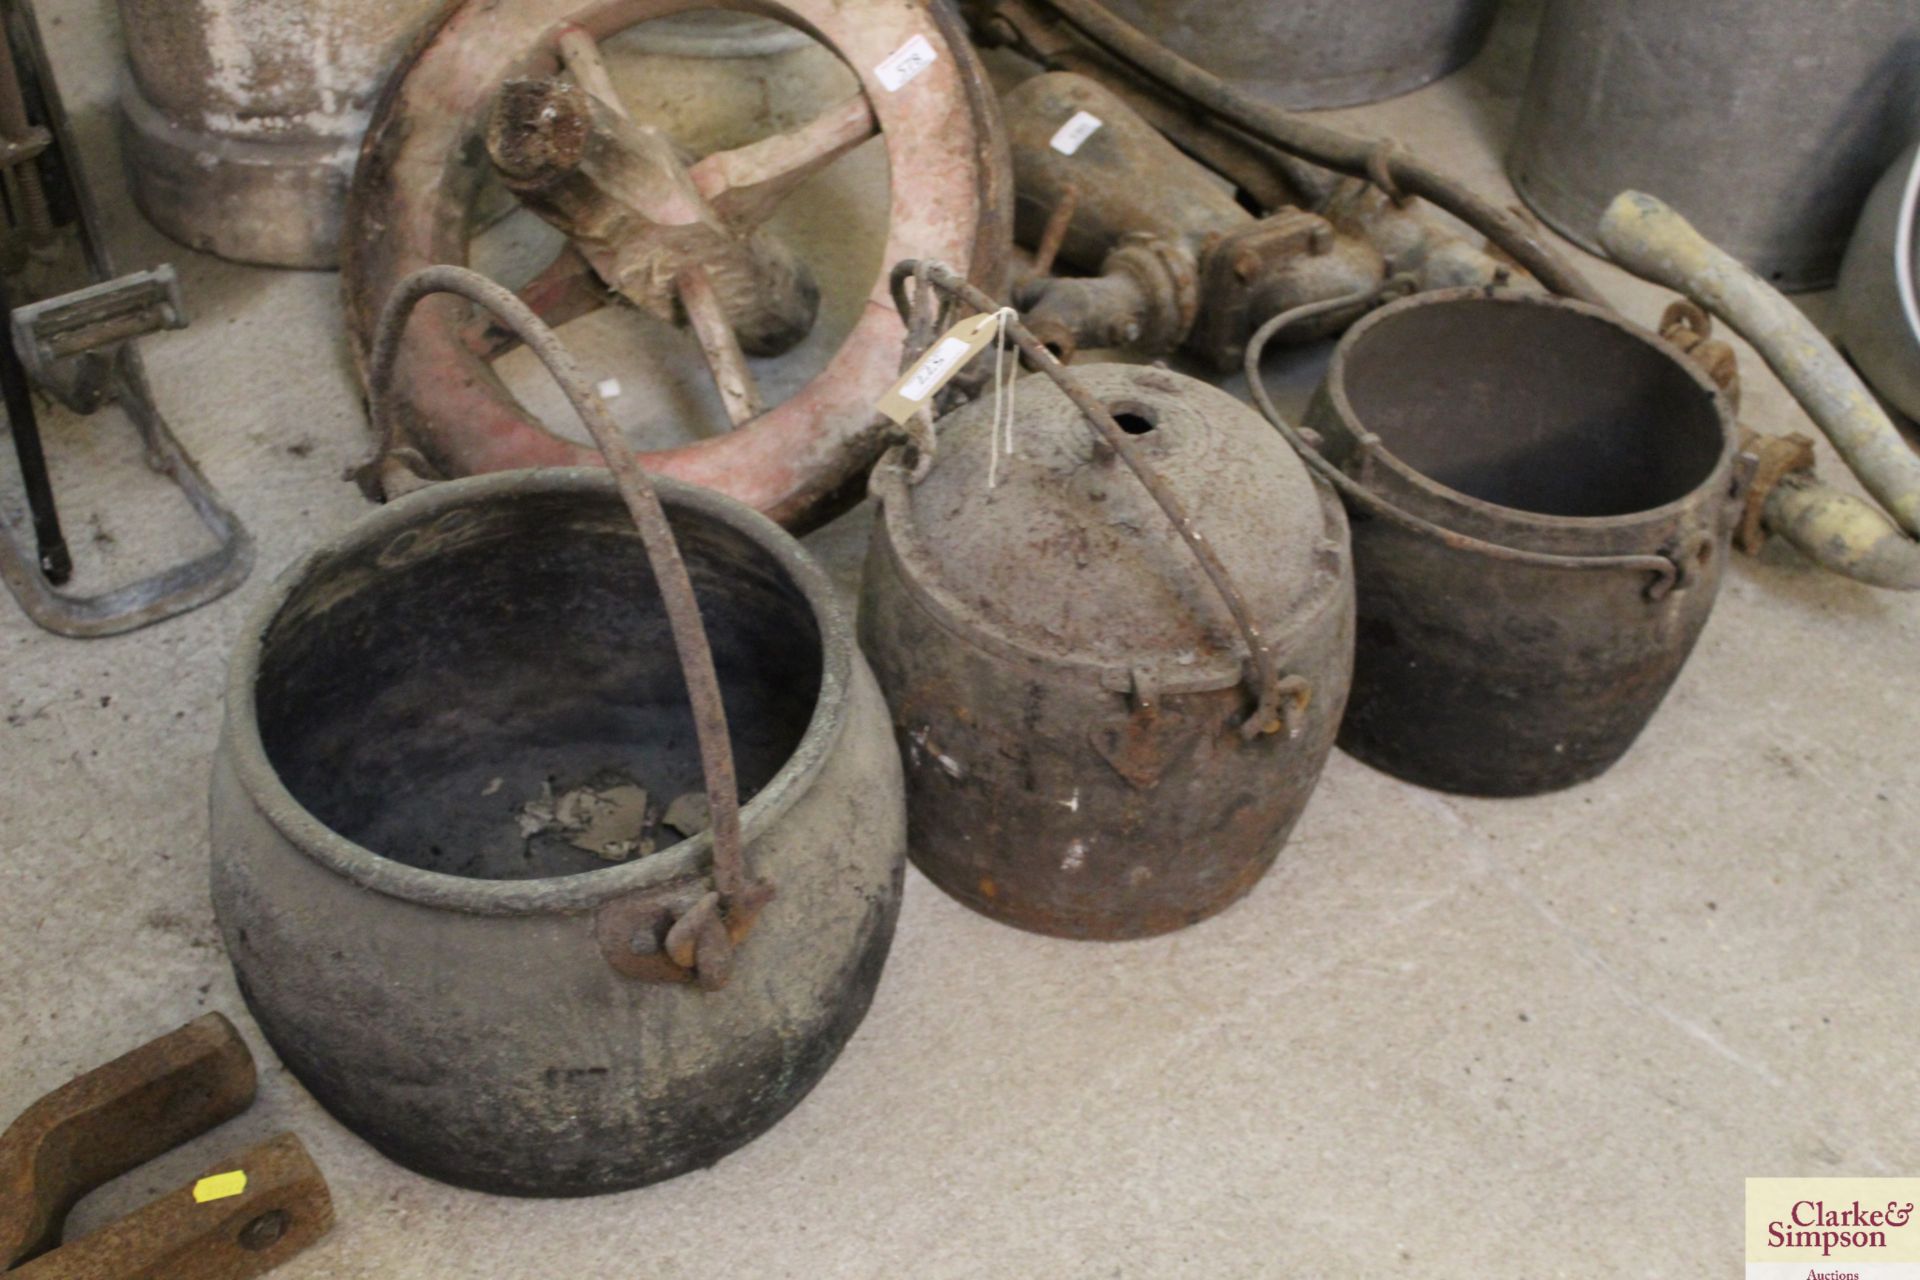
<point x="700" y="940"/>
<point x="1269" y="688"/>
<point x="1667" y="573"/>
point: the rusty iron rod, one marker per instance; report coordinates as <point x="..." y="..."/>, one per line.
<point x="1055" y="233"/>
<point x="1268" y="690"/>
<point x="1338" y="151"/>
<point x="23" y="423"/>
<point x="643" y="504"/>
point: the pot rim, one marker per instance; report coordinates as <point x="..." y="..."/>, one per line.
<point x="584" y="890"/>
<point x="1426" y="486"/>
<point x="1905" y="231"/>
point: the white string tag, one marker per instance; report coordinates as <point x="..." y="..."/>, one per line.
<point x="1006" y="371"/>
<point x="932" y="371"/>
<point x="954" y="350"/>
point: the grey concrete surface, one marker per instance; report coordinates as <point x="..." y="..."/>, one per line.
<point x="1444" y="1037"/>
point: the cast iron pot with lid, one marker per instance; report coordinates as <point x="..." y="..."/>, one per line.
<point x="1542" y="497"/>
<point x="501" y="1007"/>
<point x="1069" y="689"/>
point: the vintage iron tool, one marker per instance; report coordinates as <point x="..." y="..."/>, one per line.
<point x="73" y="340"/>
<point x="681" y="237"/>
<point x="119" y="1116"/>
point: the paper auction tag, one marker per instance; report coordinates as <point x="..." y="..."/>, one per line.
<point x="906" y="62"/>
<point x="935" y="369"/>
<point x="1083" y="125"/>
<point x="220" y="1186"/>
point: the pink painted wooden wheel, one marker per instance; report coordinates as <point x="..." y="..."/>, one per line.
<point x="421" y="173"/>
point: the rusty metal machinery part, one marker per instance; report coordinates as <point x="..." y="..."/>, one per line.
<point x="1529" y="587"/>
<point x="1333" y="53"/>
<point x="1180" y="262"/>
<point x="130" y="1111"/>
<point x="640" y="207"/>
<point x="1827" y="99"/>
<point x="70" y="335"/>
<point x="1688" y="328"/>
<point x="1269" y="177"/>
<point x="1082" y="759"/>
<point x="242" y="117"/>
<point x="1880" y="545"/>
<point x="1243" y="131"/>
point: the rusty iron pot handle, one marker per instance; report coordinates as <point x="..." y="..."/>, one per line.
<point x="1280" y="702"/>
<point x="1667" y="572"/>
<point x="702" y="938"/>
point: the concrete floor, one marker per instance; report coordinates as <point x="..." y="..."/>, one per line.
<point x="1444" y="1037"/>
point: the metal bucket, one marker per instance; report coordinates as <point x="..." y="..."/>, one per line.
<point x="1546" y="498"/>
<point x="1066" y="684"/>
<point x="1764" y="122"/>
<point x="1318" y="53"/>
<point x="506" y="1009"/>
<point x="1879" y="294"/>
<point x="243" y="117"/>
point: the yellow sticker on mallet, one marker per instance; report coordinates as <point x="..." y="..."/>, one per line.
<point x="220" y="1186"/>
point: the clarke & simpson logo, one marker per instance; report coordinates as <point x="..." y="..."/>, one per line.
<point x="1810" y="1224"/>
<point x="1832" y="1229"/>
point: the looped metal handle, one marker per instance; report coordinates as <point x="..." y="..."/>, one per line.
<point x="699" y="946"/>
<point x="1278" y="702"/>
<point x="1667" y="573"/>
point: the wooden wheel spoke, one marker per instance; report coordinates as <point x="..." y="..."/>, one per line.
<point x="581" y="54"/>
<point x="670" y="236"/>
<point x="738" y="390"/>
<point x="744" y="185"/>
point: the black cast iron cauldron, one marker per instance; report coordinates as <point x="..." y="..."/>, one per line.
<point x="1542" y="497"/>
<point x="1068" y="688"/>
<point x="465" y="978"/>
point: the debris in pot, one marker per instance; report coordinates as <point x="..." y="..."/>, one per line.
<point x="611" y="817"/>
<point x="689" y="814"/>
<point x="612" y="823"/>
<point x="536" y="815"/>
